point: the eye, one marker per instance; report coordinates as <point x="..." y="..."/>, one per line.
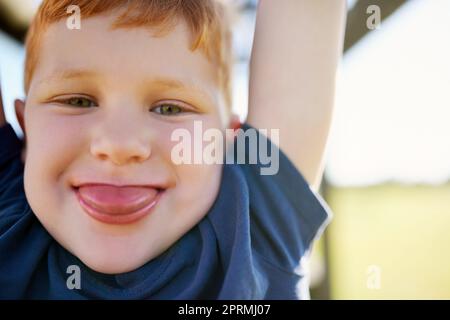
<point x="79" y="102"/>
<point x="168" y="109"/>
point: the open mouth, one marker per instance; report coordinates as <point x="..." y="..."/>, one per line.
<point x="117" y="205"/>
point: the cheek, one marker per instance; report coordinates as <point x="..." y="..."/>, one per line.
<point x="197" y="185"/>
<point x="53" y="140"/>
<point x="51" y="147"/>
<point x="195" y="193"/>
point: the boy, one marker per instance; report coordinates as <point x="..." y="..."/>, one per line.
<point x="100" y="209"/>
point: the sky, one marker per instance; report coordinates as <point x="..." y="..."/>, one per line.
<point x="392" y="111"/>
<point x="392" y="116"/>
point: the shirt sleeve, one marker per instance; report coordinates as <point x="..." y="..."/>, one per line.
<point x="11" y="167"/>
<point x="286" y="214"/>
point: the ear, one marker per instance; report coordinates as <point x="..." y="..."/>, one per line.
<point x="19" y="107"/>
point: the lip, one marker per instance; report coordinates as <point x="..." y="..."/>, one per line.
<point x="117" y="218"/>
<point x="78" y="184"/>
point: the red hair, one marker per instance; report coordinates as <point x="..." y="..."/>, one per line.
<point x="206" y="20"/>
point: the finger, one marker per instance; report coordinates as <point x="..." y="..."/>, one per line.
<point x="19" y="107"/>
<point x="2" y="112"/>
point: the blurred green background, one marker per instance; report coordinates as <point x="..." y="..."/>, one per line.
<point x="398" y="234"/>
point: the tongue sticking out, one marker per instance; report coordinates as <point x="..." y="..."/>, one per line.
<point x="117" y="200"/>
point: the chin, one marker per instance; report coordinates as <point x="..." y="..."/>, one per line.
<point x="113" y="261"/>
<point x="114" y="265"/>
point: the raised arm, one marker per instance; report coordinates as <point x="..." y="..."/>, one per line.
<point x="19" y="107"/>
<point x="296" y="50"/>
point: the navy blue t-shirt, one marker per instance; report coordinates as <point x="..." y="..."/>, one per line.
<point x="248" y="246"/>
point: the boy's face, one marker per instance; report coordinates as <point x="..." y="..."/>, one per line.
<point x="94" y="115"/>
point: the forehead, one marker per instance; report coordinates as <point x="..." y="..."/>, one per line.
<point x="129" y="55"/>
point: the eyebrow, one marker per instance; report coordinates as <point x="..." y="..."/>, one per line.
<point x="163" y="83"/>
<point x="70" y="74"/>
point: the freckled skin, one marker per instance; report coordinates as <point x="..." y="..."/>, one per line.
<point x="120" y="138"/>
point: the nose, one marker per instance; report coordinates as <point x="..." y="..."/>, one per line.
<point x="121" y="141"/>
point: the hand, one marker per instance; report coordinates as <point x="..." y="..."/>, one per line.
<point x="2" y="112"/>
<point x="19" y="107"/>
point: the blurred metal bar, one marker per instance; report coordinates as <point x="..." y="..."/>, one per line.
<point x="15" y="17"/>
<point x="9" y="25"/>
<point x="357" y="18"/>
